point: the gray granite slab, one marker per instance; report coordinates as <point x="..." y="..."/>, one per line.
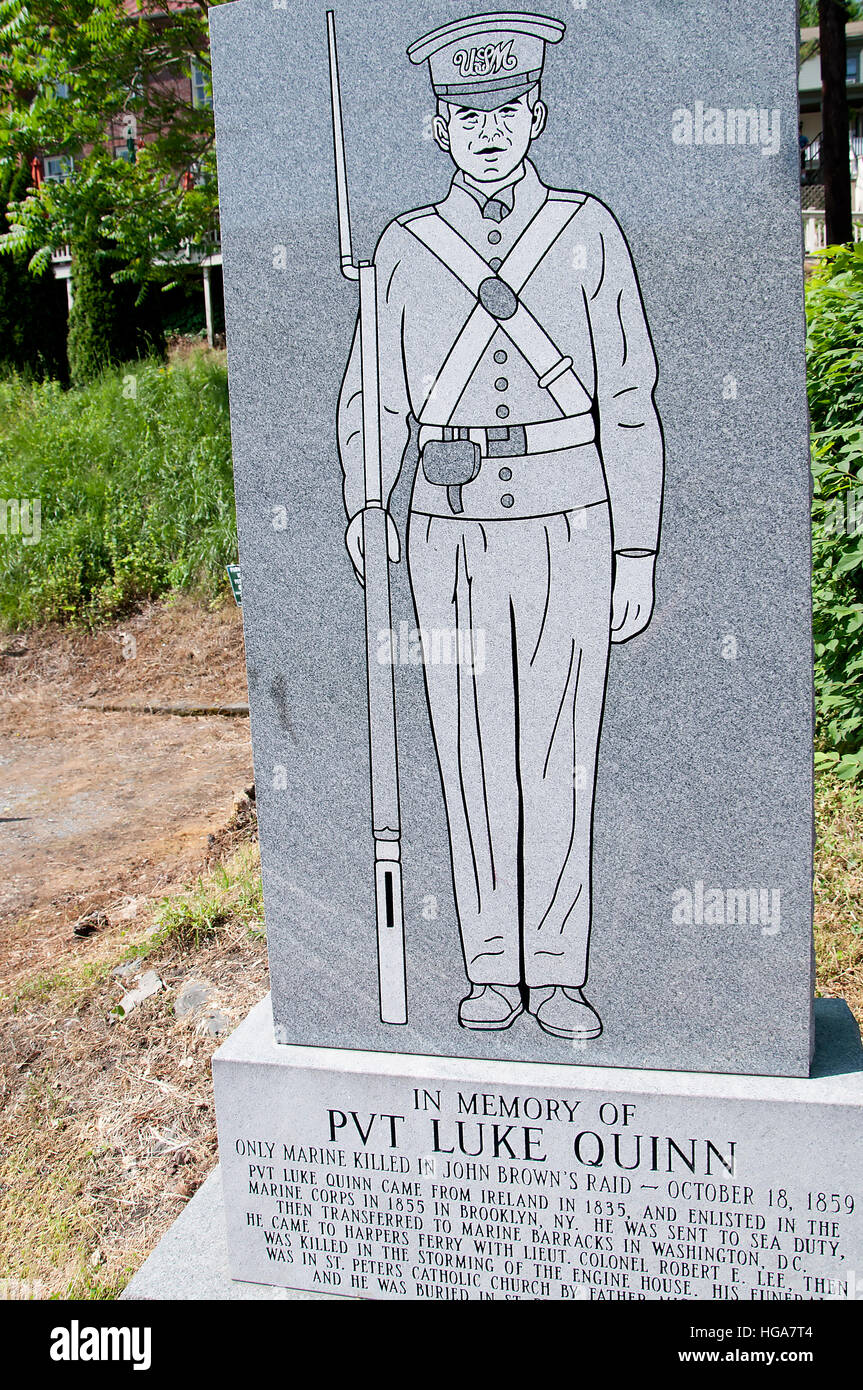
<point x="190" y="1263"/>
<point x="700" y="946"/>
<point x="256" y="1089"/>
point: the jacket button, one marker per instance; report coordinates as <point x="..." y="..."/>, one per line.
<point x="501" y="384"/>
<point x="505" y="474"/>
<point x="494" y="237"/>
<point x="495" y="263"/>
<point x="500" y="355"/>
<point x="502" y="412"/>
<point x="507" y="499"/>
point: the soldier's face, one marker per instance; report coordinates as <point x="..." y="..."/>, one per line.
<point x="489" y="145"/>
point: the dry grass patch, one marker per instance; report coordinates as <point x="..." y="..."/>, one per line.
<point x="839" y="892"/>
<point x="106" y="1122"/>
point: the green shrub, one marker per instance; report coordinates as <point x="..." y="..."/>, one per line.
<point x="834" y="310"/>
<point x="32" y="308"/>
<point x="133" y="475"/>
<point x="93" y="318"/>
<point x="110" y="321"/>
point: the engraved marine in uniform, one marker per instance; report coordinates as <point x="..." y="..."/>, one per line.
<point x="512" y="333"/>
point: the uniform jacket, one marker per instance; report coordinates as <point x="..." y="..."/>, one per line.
<point x="585" y="294"/>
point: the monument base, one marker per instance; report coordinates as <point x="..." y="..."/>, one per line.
<point x="190" y="1263"/>
<point x="783" y="1225"/>
<point x="402" y="1177"/>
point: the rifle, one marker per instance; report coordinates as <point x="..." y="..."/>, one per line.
<point x="386" y="822"/>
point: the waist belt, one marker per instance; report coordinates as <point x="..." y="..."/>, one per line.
<point x="506" y="441"/>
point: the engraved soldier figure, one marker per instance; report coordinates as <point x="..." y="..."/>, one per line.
<point x="512" y="334"/>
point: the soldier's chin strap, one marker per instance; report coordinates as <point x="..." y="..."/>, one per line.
<point x="498" y="306"/>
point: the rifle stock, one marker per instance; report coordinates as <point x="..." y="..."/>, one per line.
<point x="383" y="757"/>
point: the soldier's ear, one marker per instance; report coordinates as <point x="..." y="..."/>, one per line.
<point x="539" y="115"/>
<point x="440" y="131"/>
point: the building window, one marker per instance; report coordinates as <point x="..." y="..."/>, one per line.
<point x="57" y="168"/>
<point x="201" y="93"/>
<point x="852" y="68"/>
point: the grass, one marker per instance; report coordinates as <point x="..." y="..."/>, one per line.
<point x="67" y="986"/>
<point x="229" y="891"/>
<point x="839" y="891"/>
<point x="55" y="1228"/>
<point x="106" y="1123"/>
<point x="134" y="485"/>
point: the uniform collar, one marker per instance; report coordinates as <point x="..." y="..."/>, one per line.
<point x="505" y="193"/>
<point x="524" y="192"/>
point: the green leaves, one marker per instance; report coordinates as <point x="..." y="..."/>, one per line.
<point x="847" y="767"/>
<point x="834" y="312"/>
<point x="74" y="74"/>
<point x="134" y="478"/>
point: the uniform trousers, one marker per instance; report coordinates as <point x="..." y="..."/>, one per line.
<point x="516" y="720"/>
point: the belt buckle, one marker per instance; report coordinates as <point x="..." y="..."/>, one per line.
<point x="506" y="441"/>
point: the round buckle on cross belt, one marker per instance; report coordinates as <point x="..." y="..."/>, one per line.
<point x="497" y="298"/>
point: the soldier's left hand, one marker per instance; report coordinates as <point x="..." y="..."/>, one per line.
<point x="632" y="600"/>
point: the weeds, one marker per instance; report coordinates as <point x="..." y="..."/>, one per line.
<point x="134" y="481"/>
<point x="839" y="891"/>
<point x="106" y="1123"/>
<point x="230" y="891"/>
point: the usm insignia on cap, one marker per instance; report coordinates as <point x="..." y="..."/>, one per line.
<point x="488" y="59"/>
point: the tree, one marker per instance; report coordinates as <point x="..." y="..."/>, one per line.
<point x="833" y="16"/>
<point x="75" y="77"/>
<point x="32" y="311"/>
<point x="809" y="12"/>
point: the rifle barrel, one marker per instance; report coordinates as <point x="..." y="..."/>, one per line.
<point x="344" y="212"/>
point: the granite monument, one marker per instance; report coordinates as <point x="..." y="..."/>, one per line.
<point x="516" y="341"/>
<point x="515" y="337"/>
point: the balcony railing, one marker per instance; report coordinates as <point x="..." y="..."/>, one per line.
<point x="815" y="229"/>
<point x="209" y="245"/>
<point x="810" y="158"/>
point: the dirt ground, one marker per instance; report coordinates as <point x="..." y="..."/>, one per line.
<point x="107" y="1124"/>
<point x="101" y="810"/>
<point x="106" y="1119"/>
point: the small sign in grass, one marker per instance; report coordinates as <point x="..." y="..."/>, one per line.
<point x="236" y="583"/>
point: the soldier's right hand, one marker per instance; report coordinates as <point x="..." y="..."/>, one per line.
<point x="354" y="543"/>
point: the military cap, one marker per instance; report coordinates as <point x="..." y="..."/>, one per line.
<point x="488" y="59"/>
